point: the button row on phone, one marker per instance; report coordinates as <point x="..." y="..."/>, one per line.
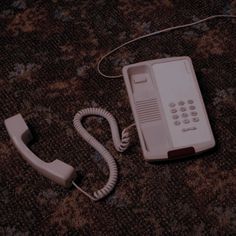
<point x="182" y="109"/>
<point x="185" y="121"/>
<point x="181" y="103"/>
<point x="184" y="115"/>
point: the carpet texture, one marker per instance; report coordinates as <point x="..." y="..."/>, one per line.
<point x="48" y="56"/>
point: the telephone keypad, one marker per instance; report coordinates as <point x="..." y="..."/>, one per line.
<point x="188" y="114"/>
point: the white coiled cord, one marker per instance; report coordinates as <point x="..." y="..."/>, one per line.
<point x="120" y="145"/>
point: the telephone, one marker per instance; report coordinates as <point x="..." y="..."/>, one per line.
<point x="168" y="108"/>
<point x="169" y="113"/>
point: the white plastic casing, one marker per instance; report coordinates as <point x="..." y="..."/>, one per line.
<point x="168" y="108"/>
<point x="56" y="170"/>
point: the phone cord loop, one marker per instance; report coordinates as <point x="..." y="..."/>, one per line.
<point x="121" y="144"/>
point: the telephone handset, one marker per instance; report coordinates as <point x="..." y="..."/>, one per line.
<point x="168" y="108"/>
<point x="59" y="171"/>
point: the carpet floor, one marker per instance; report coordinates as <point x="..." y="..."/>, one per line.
<point x="48" y="56"/>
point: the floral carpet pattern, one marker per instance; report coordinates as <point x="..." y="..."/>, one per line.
<point x="48" y="56"/>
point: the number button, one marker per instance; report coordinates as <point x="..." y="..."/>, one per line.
<point x="181" y="103"/>
<point x="182" y="109"/>
<point x="173" y="110"/>
<point x="184" y="115"/>
<point x="186" y="121"/>
<point x="172" y="104"/>
<point x="175" y="117"/>
<point x="190" y="101"/>
<point x="177" y="123"/>
<point x="192" y="107"/>
<point x="194" y="113"/>
<point x="195" y="119"/>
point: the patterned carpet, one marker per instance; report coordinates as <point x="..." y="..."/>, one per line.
<point x="48" y="56"/>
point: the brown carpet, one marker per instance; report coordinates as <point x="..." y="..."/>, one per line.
<point x="48" y="56"/>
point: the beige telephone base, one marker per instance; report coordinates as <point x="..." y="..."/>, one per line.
<point x="168" y="108"/>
